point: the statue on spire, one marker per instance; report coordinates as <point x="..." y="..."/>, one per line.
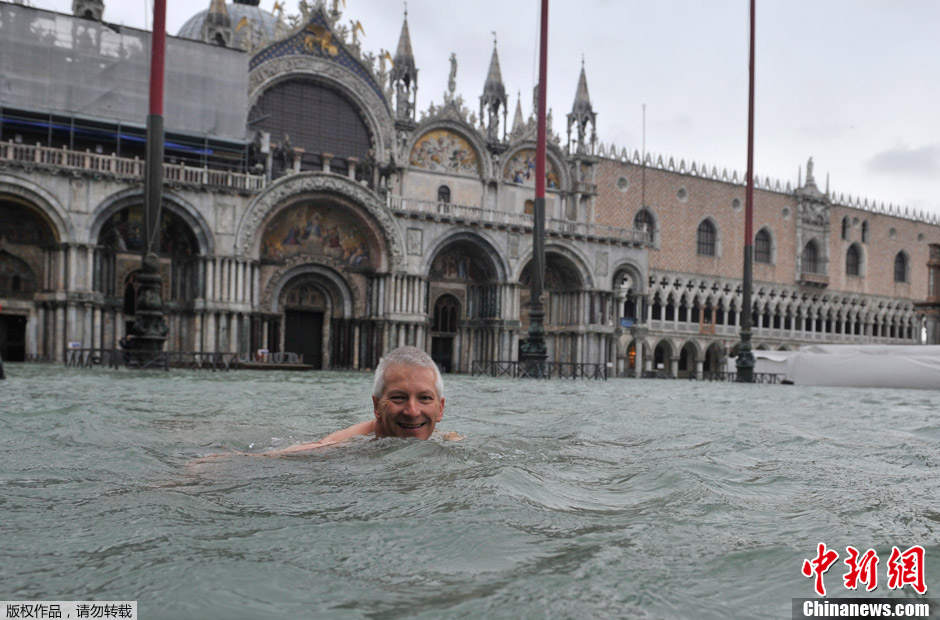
<point x="494" y="97"/>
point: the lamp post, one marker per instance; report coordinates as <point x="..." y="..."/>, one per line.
<point x="745" y="361"/>
<point x="534" y="352"/>
<point x="150" y="328"/>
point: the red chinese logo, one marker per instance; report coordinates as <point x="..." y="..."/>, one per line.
<point x="864" y="569"/>
<point x="904" y="568"/>
<point x="819" y="565"/>
<point x="907" y="568"/>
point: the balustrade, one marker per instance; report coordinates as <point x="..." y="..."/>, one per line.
<point x="126" y="167"/>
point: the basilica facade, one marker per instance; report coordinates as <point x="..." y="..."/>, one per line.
<point x="310" y="207"/>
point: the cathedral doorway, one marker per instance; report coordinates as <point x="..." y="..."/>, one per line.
<point x="305" y="305"/>
<point x="303" y="335"/>
<point x="13" y="338"/>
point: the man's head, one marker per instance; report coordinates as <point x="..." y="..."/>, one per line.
<point x="408" y="394"/>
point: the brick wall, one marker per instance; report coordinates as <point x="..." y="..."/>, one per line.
<point x="677" y="220"/>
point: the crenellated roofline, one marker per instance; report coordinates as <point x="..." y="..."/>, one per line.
<point x="612" y="153"/>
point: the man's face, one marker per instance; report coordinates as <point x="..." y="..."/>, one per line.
<point x="410" y="405"/>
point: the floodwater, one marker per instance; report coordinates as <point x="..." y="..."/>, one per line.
<point x="566" y="499"/>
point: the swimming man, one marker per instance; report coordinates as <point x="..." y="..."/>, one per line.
<point x="407" y="399"/>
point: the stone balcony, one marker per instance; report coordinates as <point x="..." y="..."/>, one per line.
<point x="810" y="278"/>
<point x="487" y="218"/>
<point x="55" y="159"/>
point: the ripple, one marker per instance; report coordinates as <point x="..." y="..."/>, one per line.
<point x="591" y="499"/>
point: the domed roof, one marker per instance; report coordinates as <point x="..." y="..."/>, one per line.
<point x="264" y="25"/>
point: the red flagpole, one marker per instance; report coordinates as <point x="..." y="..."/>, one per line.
<point x="534" y="351"/>
<point x="745" y="361"/>
<point x="150" y="328"/>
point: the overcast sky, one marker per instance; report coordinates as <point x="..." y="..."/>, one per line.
<point x="853" y="83"/>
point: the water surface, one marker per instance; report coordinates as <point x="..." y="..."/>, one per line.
<point x="618" y="499"/>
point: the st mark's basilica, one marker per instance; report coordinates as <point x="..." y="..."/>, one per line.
<point x="310" y="207"/>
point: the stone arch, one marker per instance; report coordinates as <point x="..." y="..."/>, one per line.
<point x="342" y="295"/>
<point x="177" y="205"/>
<point x="640" y="282"/>
<point x="474" y="238"/>
<point x="17" y="277"/>
<point x="695" y="347"/>
<point x="36" y="198"/>
<point x="291" y="190"/>
<point x="714" y="358"/>
<point x="372" y="107"/>
<point x="421" y="158"/>
<point x="571" y="254"/>
<point x="663" y="353"/>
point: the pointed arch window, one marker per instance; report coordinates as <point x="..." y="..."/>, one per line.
<point x="811" y="258"/>
<point x="865" y="232"/>
<point x="706" y="239"/>
<point x="762" y="246"/>
<point x="853" y="261"/>
<point x="643" y="221"/>
<point x="900" y="267"/>
<point x="845" y="227"/>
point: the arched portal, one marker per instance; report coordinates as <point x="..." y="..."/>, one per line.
<point x="688" y="357"/>
<point x="306" y="301"/>
<point x="714" y="358"/>
<point x="465" y="293"/>
<point x="335" y="246"/>
<point x="567" y="307"/>
<point x="662" y="359"/>
<point x="117" y="259"/>
<point x="27" y="241"/>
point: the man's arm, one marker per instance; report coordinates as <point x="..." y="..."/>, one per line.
<point x="363" y="428"/>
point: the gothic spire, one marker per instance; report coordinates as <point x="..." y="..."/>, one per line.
<point x="404" y="76"/>
<point x="582" y="113"/>
<point x="494" y="96"/>
<point x="518" y="123"/>
<point x="217" y="28"/>
<point x="404" y="62"/>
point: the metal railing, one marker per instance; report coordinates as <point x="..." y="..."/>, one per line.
<point x="549" y="370"/>
<point x="759" y="377"/>
<point x="478" y="214"/>
<point x="161" y="360"/>
<point x="124" y="167"/>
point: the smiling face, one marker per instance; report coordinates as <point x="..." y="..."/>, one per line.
<point x="409" y="405"/>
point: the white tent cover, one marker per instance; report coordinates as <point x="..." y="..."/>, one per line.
<point x="890" y="366"/>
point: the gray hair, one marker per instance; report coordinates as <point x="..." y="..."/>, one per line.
<point x="406" y="356"/>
